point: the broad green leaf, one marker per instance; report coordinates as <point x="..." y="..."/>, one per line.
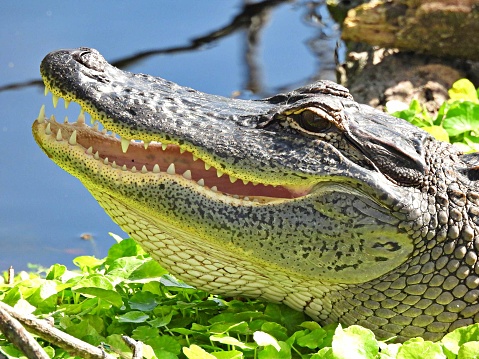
<point x="263" y="339"/>
<point x="469" y="350"/>
<point x="144" y="333"/>
<point x="438" y="132"/>
<point x="463" y="90"/>
<point x="269" y="352"/>
<point x="230" y="354"/>
<point x="56" y="271"/>
<point x="312" y="340"/>
<point x="149" y="269"/>
<point x="276" y="330"/>
<point x="324" y="353"/>
<point x="95" y="281"/>
<point x="421" y="350"/>
<point x="88" y="264"/>
<point x="453" y="341"/>
<point x="126" y="248"/>
<point x="109" y="296"/>
<point x="133" y="317"/>
<point x="196" y="352"/>
<point x="144" y="301"/>
<point x="462" y="117"/>
<point x="222" y="328"/>
<point x="354" y="342"/>
<point x="224" y="339"/>
<point x="164" y="343"/>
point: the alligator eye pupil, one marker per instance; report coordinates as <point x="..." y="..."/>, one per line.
<point x="312" y="122"/>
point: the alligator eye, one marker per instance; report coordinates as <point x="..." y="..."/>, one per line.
<point x="311" y="122"/>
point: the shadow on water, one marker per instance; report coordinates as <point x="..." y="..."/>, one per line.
<point x="43" y="210"/>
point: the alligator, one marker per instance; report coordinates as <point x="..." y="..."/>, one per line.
<point x="305" y="198"/>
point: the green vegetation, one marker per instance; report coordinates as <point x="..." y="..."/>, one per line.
<point x="127" y="293"/>
<point x="457" y="120"/>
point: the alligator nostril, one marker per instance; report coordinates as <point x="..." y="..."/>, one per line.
<point x="90" y="58"/>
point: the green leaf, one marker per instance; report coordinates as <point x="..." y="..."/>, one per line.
<point x="469" y="350"/>
<point x="126" y="248"/>
<point x="149" y="269"/>
<point x="463" y="90"/>
<point x="164" y="344"/>
<point x="225" y="339"/>
<point x="133" y="317"/>
<point x="453" y="341"/>
<point x="230" y="354"/>
<point x="438" y="132"/>
<point x="144" y="301"/>
<point x="269" y="352"/>
<point x="56" y="271"/>
<point x="462" y="117"/>
<point x="354" y="342"/>
<point x="88" y="264"/>
<point x="109" y="296"/>
<point x="276" y="330"/>
<point x="196" y="352"/>
<point x="312" y="340"/>
<point x="263" y="339"/>
<point x="144" y="333"/>
<point x="421" y="350"/>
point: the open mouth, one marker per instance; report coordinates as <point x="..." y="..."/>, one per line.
<point x="136" y="156"/>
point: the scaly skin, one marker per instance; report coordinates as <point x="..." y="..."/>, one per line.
<point x="305" y="198"/>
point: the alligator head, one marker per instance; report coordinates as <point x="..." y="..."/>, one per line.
<point x="305" y="198"/>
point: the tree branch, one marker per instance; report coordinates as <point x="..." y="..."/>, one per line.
<point x="44" y="330"/>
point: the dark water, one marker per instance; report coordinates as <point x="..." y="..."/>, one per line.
<point x="43" y="210"/>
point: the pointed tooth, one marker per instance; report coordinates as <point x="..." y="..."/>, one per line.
<point x="146" y="144"/>
<point x="143" y="169"/>
<point x="59" y="135"/>
<point x="65" y="120"/>
<point x="81" y="118"/>
<point x="95" y="126"/>
<point x="171" y="169"/>
<point x="233" y="179"/>
<point x="105" y="161"/>
<point x="182" y="150"/>
<point x="163" y="146"/>
<point x="41" y="115"/>
<point x="156" y="168"/>
<point x="96" y="156"/>
<point x="236" y="196"/>
<point x="133" y="169"/>
<point x="195" y="158"/>
<point x="67" y="103"/>
<point x="46" y="91"/>
<point x="187" y="174"/>
<point x="245" y="182"/>
<point x="90" y="150"/>
<point x="124" y="168"/>
<point x="207" y="166"/>
<point x="53" y="118"/>
<point x="201" y="182"/>
<point x="103" y="131"/>
<point x="219" y="173"/>
<point x="55" y="99"/>
<point x="124" y="144"/>
<point x="214" y="189"/>
<point x="48" y="130"/>
<point x="113" y="164"/>
<point x="73" y="138"/>
<point x="246" y="198"/>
